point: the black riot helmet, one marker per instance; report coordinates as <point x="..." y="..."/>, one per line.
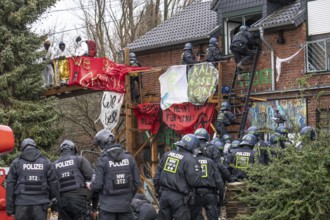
<point x="188" y="46"/>
<point x="225" y="106"/>
<point x="68" y="145"/>
<point x="214" y="41"/>
<point x="254" y="130"/>
<point x="226" y="138"/>
<point x="248" y="139"/>
<point x="244" y="28"/>
<point x="104" y="138"/>
<point x="309" y="132"/>
<point x="282" y="130"/>
<point x="202" y="134"/>
<point x="189" y="142"/>
<point x="28" y="142"/>
<point x="235" y="144"/>
<point x="132" y="56"/>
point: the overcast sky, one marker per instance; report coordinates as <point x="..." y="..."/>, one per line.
<point x="61" y="22"/>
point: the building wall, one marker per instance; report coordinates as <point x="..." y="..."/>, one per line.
<point x="292" y="74"/>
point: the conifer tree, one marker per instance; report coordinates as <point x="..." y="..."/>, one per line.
<point x="21" y="105"/>
<point x="293" y="186"/>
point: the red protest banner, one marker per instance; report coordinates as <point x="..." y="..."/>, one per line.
<point x="99" y="73"/>
<point x="148" y="117"/>
<point x="186" y="118"/>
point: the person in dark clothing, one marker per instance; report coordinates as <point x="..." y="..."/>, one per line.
<point x="278" y="118"/>
<point x="307" y="134"/>
<point x="209" y="150"/>
<point x="134" y="79"/>
<point x="31" y="184"/>
<point x="142" y="209"/>
<point x="213" y="52"/>
<point x="225" y="118"/>
<point x="261" y="147"/>
<point x="241" y="46"/>
<point x="178" y="173"/>
<point x="210" y="191"/>
<point x="187" y="56"/>
<point x="72" y="173"/>
<point x="117" y="178"/>
<point x="241" y="158"/>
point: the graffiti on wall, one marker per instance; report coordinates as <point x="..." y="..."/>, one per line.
<point x="261" y="114"/>
<point x="261" y="77"/>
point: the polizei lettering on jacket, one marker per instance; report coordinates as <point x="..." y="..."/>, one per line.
<point x="175" y="155"/>
<point x="65" y="163"/>
<point x="124" y="162"/>
<point x="247" y="154"/>
<point x="36" y="166"/>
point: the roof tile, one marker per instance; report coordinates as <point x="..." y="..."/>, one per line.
<point x="194" y="22"/>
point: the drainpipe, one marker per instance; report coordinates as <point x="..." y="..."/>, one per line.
<point x="272" y="56"/>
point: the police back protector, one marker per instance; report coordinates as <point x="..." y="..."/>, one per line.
<point x="69" y="174"/>
<point x="118" y="177"/>
<point x="32" y="177"/>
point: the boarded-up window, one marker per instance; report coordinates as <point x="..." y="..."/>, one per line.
<point x="323" y="119"/>
<point x="318" y="17"/>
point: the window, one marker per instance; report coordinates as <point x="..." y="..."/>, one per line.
<point x="317" y="56"/>
<point x="232" y="25"/>
<point x="318" y="17"/>
<point x="323" y="119"/>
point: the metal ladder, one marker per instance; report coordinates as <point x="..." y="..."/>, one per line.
<point x="246" y="98"/>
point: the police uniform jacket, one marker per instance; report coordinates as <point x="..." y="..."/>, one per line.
<point x="117" y="179"/>
<point x="210" y="176"/>
<point x="244" y="38"/>
<point x="188" y="57"/>
<point x="213" y="54"/>
<point x="241" y="159"/>
<point x="30" y="180"/>
<point x="210" y="151"/>
<point x="177" y="171"/>
<point x="73" y="172"/>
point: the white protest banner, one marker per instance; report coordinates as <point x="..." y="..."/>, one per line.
<point x="202" y="82"/>
<point x="110" y="109"/>
<point x="173" y="86"/>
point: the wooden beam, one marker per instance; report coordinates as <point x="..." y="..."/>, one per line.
<point x="143" y="145"/>
<point x="154" y="157"/>
<point x="129" y="118"/>
<point x="220" y="82"/>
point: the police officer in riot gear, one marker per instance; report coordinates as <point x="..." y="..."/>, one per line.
<point x="117" y="178"/>
<point x="213" y="53"/>
<point x="134" y="79"/>
<point x="209" y="150"/>
<point x="142" y="209"/>
<point x="225" y="118"/>
<point x="72" y="172"/>
<point x="283" y="133"/>
<point x="307" y="134"/>
<point x="31" y="183"/>
<point x="187" y="56"/>
<point x="241" y="158"/>
<point x="261" y="147"/>
<point x="210" y="191"/>
<point x="178" y="173"/>
<point x="241" y="46"/>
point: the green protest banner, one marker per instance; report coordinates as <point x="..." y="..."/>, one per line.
<point x="202" y="82"/>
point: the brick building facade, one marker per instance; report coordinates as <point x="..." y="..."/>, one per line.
<point x="295" y="86"/>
